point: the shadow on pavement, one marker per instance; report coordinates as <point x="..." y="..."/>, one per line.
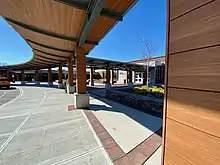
<point x="7" y="89"/>
<point x="146" y="120"/>
<point x="34" y="85"/>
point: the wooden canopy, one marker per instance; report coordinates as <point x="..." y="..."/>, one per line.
<point x="98" y="63"/>
<point x="53" y="28"/>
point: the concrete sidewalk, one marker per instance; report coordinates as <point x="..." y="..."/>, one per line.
<point x="37" y="128"/>
<point x="129" y="128"/>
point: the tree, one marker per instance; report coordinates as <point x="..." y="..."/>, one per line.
<point x="3" y="64"/>
<point x="148" y="53"/>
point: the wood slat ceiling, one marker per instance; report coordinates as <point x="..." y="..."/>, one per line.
<point x="120" y="5"/>
<point x="45" y="14"/>
<point x="104" y="24"/>
<point x="52" y="51"/>
<point x="50" y="56"/>
<point x="44" y="39"/>
<point x="60" y="19"/>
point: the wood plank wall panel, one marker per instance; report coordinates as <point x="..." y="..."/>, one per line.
<point x="198" y="69"/>
<point x="180" y="7"/>
<point x="173" y="159"/>
<point x="192" y="145"/>
<point x="197" y="109"/>
<point x="192" y="100"/>
<point x="196" y="29"/>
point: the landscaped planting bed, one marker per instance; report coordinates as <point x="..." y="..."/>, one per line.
<point x="146" y="103"/>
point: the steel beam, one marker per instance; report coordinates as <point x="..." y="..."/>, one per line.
<point x="47" y="33"/>
<point x="54" y="55"/>
<point x="93" y="11"/>
<point x="83" y="6"/>
<point x="47" y="58"/>
<point x="25" y="66"/>
<point x="40" y="61"/>
<point x="44" y="59"/>
<point x="36" y="64"/>
<point x="49" y="47"/>
<point x="32" y="66"/>
<point x="43" y="65"/>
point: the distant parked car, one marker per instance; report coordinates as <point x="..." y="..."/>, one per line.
<point x="4" y="82"/>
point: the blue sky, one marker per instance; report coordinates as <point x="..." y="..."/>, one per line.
<point x="147" y="18"/>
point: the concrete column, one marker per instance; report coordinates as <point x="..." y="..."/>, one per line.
<point x="133" y="76"/>
<point x="112" y="77"/>
<point x="91" y="82"/>
<point x="60" y="77"/>
<point x="69" y="86"/>
<point x="130" y="83"/>
<point x="108" y="75"/>
<point x="22" y="77"/>
<point x="50" y="80"/>
<point x="127" y="76"/>
<point x="81" y="97"/>
<point x="37" y="81"/>
<point x="17" y="76"/>
<point x="8" y="75"/>
<point x="145" y="78"/>
<point x="117" y="75"/>
<point x="155" y="73"/>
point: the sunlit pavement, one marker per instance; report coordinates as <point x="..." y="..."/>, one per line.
<point x="37" y="128"/>
<point x="134" y="137"/>
<point x="7" y="95"/>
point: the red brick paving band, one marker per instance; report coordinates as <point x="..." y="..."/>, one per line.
<point x="71" y="107"/>
<point x="137" y="156"/>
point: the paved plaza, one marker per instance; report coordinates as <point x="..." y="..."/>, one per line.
<point x="37" y="128"/>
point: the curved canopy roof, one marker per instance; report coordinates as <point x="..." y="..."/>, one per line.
<point x="53" y="28"/>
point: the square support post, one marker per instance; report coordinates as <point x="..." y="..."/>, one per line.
<point x="112" y="77"/>
<point x="130" y="83"/>
<point x="8" y="75"/>
<point x="108" y="75"/>
<point x="117" y="75"/>
<point x="91" y="82"/>
<point x="17" y="76"/>
<point x="60" y="77"/>
<point x="50" y="80"/>
<point x="22" y="77"/>
<point x="127" y="76"/>
<point x="81" y="97"/>
<point x="69" y="86"/>
<point x="145" y="78"/>
<point x="37" y="81"/>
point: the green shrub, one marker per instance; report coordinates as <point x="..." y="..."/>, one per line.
<point x="138" y="91"/>
<point x="144" y="90"/>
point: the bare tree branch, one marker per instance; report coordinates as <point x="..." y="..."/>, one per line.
<point x="148" y="53"/>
